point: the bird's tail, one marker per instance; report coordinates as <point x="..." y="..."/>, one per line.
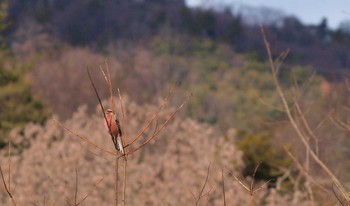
<point x="120" y="147"/>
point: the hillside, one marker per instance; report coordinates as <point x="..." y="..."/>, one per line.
<point x="97" y="24"/>
<point x="235" y="118"/>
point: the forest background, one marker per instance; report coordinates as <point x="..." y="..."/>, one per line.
<point x="234" y="119"/>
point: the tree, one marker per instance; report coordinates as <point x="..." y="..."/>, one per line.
<point x="18" y="105"/>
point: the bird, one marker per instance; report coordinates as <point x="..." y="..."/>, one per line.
<point x="113" y="126"/>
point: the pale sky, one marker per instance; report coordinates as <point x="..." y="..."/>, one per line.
<point x="308" y="11"/>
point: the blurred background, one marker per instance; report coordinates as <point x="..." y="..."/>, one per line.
<point x="213" y="49"/>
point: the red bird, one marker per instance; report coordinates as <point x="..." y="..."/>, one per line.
<point x="113" y="126"/>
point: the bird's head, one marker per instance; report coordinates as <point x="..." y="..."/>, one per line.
<point x="109" y="111"/>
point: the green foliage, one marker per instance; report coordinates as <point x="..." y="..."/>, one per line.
<point x="226" y="93"/>
<point x="18" y="105"/>
<point x="258" y="148"/>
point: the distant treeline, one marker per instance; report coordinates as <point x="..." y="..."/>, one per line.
<point x="95" y="22"/>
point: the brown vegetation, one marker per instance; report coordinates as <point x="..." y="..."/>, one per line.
<point x="190" y="162"/>
<point x="162" y="173"/>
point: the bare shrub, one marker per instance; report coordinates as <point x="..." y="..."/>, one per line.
<point x="162" y="173"/>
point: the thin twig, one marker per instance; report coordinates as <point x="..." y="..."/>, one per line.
<point x="62" y="194"/>
<point x="262" y="101"/>
<point x="207" y="194"/>
<point x="239" y="181"/>
<point x="161" y="127"/>
<point x="340" y="124"/>
<point x="223" y="186"/>
<point x="309" y="131"/>
<point x="9" y="165"/>
<point x="263" y="185"/>
<point x="85" y="139"/>
<point x="336" y="196"/>
<point x="200" y="194"/>
<point x="205" y="183"/>
<point x="76" y="187"/>
<point x="303" y="170"/>
<point x="6" y="188"/>
<point x="251" y="188"/>
<point x="98" y="96"/>
<point x="306" y="125"/>
<point x="149" y="123"/>
<point x="193" y="196"/>
<point x="109" y="83"/>
<point x="323" y="121"/>
<point x="124" y="182"/>
<point x="123" y="142"/>
<point x="125" y="132"/>
<point x="86" y="196"/>
<point x="280" y="60"/>
<point x="116" y="180"/>
<point x="103" y="73"/>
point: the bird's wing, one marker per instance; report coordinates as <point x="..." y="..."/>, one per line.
<point x="119" y="128"/>
<point x="114" y="139"/>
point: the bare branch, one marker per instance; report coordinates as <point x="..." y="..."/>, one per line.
<point x="103" y="73"/>
<point x="251" y="189"/>
<point x="116" y="181"/>
<point x="161" y="127"/>
<point x="85" y="139"/>
<point x="293" y="121"/>
<point x="9" y="166"/>
<point x="207" y="193"/>
<point x="98" y="96"/>
<point x="223" y="185"/>
<point x="262" y="101"/>
<point x="6" y="188"/>
<point x="124" y="182"/>
<point x="124" y="120"/>
<point x="305" y="123"/>
<point x="327" y="117"/>
<point x="280" y="60"/>
<point x="62" y="194"/>
<point x="145" y="128"/>
<point x="205" y="183"/>
<point x="200" y="194"/>
<point x="113" y="106"/>
<point x="340" y="124"/>
<point x="303" y="170"/>
<point x="86" y="196"/>
<point x="239" y="181"/>
<point x="76" y="187"/>
<point x="262" y="186"/>
<point x="193" y="196"/>
<point x="338" y="198"/>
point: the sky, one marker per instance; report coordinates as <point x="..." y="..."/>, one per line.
<point x="308" y="11"/>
